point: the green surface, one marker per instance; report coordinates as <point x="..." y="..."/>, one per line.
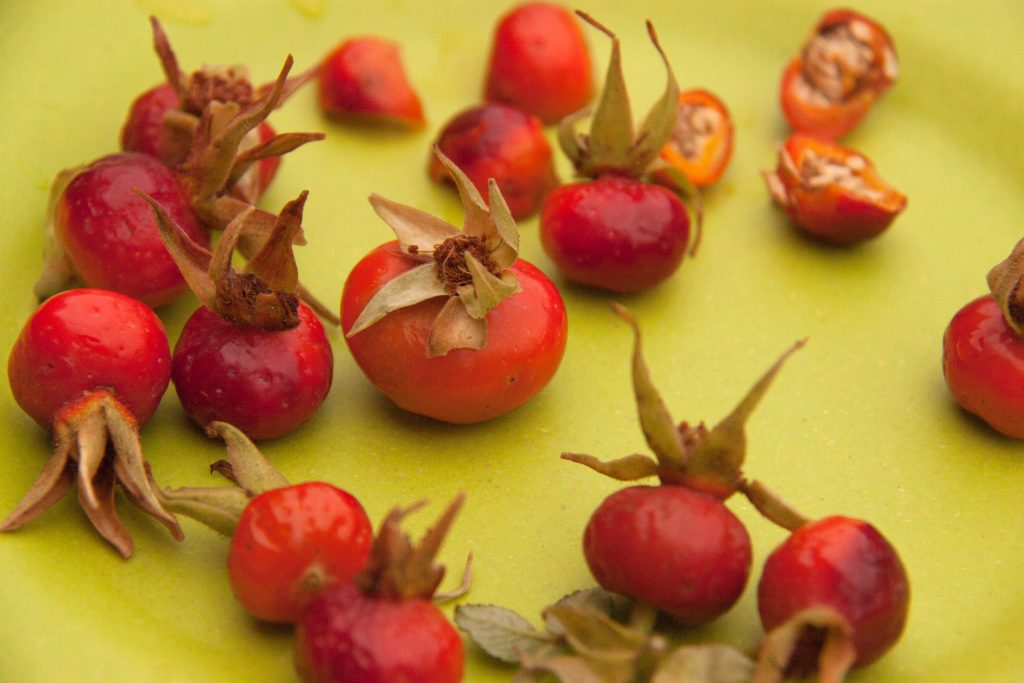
<point x="858" y="423"/>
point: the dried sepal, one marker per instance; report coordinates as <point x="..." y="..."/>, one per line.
<point x="704" y="664"/>
<point x="96" y="444"/>
<point x="1005" y="281"/>
<point x="613" y="145"/>
<point x="691" y="195"/>
<point x="220" y="507"/>
<point x="706" y="460"/>
<point x="244" y="298"/>
<point x="469" y="266"/>
<point x="835" y="657"/>
<point x="398" y="568"/>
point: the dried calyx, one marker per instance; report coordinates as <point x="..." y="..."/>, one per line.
<point x="264" y="294"/>
<point x="613" y="145"/>
<point x="220" y="507"/>
<point x="96" y="445"/>
<point x="469" y="266"/>
<point x="706" y="460"/>
<point x="819" y="638"/>
<point x="197" y="91"/>
<point x="399" y="569"/>
<point x="1005" y="281"/>
<point x="597" y="636"/>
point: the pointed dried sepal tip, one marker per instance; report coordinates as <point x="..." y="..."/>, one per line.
<point x="1006" y="282"/>
<point x="470" y="266"/>
<point x="96" y="445"/>
<point x="249" y="297"/>
<point x="613" y="145"/>
<point x="817" y="639"/>
<point x="400" y="569"/>
<point x="220" y="507"/>
<point x="710" y="461"/>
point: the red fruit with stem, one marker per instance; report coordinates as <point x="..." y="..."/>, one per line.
<point x="363" y="79"/>
<point x="384" y="627"/>
<point x="539" y="62"/>
<point x="504" y="143"/>
<point x="162" y="121"/>
<point x="675" y="547"/>
<point x="449" y="323"/>
<point x="616" y="231"/>
<point x="289" y="542"/>
<point x="254" y="355"/>
<point x="983" y="350"/>
<point x="91" y="366"/>
<point x="832" y="192"/>
<point x="103" y="234"/>
<point x="832" y="596"/>
<point x="846" y="65"/>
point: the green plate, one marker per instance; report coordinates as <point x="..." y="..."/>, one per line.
<point x="859" y="423"/>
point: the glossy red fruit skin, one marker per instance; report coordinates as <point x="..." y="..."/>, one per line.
<point x="110" y="235"/>
<point x="501" y="142"/>
<point x="364" y="77"/>
<point x="983" y="363"/>
<point x="845" y="564"/>
<point x="677" y="549"/>
<point x="293" y="542"/>
<point x="264" y="382"/>
<point x="526" y="336"/>
<point x="83" y="340"/>
<point x="348" y="636"/>
<point x="615" y="233"/>
<point x="540" y="62"/>
<point x="143" y="132"/>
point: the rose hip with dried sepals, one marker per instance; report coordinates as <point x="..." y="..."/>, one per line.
<point x="450" y="323"/>
<point x="539" y="62"/>
<point x="832" y="192"/>
<point x="846" y="65"/>
<point x="384" y="626"/>
<point x="498" y="141"/>
<point x="289" y="542"/>
<point x="983" y="350"/>
<point x="163" y="120"/>
<point x="675" y="546"/>
<point x="91" y="366"/>
<point x="253" y="355"/>
<point x="102" y="233"/>
<point x="614" y="230"/>
<point x="363" y="79"/>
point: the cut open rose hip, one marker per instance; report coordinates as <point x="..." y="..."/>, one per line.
<point x="832" y="192"/>
<point x="846" y="65"/>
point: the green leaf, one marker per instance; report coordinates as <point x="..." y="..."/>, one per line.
<point x="499" y="631"/>
<point x="413" y="227"/>
<point x="597" y="600"/>
<point x="595" y="635"/>
<point x="705" y="664"/>
<point x="454" y="328"/>
<point x="655" y="420"/>
<point x="411" y="287"/>
<point x="568" y="669"/>
<point x="487" y="290"/>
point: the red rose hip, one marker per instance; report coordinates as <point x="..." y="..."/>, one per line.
<point x="540" y="62"/>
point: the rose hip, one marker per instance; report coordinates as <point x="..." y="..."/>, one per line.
<point x="91" y="366"/>
<point x="501" y="142"/>
<point x="539" y="62"/>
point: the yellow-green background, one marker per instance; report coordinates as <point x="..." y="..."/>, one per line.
<point x="859" y="422"/>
